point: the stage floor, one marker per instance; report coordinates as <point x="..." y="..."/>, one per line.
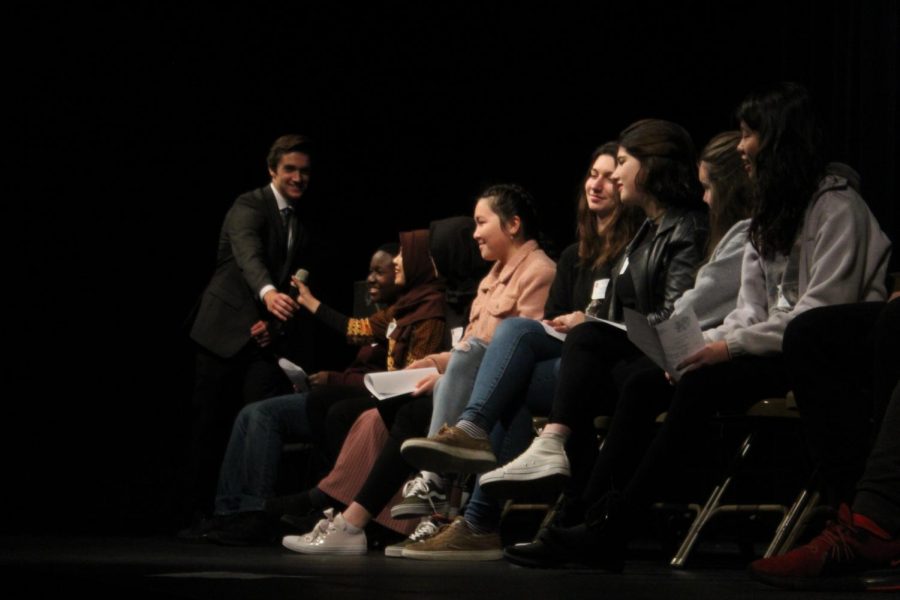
<point x="160" y="567"/>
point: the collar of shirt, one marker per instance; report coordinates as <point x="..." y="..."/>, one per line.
<point x="282" y="203"/>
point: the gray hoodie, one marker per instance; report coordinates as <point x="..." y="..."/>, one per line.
<point x="840" y="256"/>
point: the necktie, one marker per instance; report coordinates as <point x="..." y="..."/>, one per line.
<point x="286" y="214"/>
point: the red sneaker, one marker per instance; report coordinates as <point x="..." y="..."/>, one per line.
<point x="833" y="560"/>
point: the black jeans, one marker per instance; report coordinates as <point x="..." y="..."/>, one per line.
<point x="845" y="362"/>
<point x="390" y="469"/>
<point x="841" y="392"/>
<point x="878" y="492"/>
<point x="641" y="470"/>
<point x="331" y="411"/>
<point x="594" y="358"/>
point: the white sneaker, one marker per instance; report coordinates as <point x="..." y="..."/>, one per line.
<point x="539" y="471"/>
<point x="329" y="536"/>
<point x="426" y="529"/>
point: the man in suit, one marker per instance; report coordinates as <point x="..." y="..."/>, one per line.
<point x="261" y="243"/>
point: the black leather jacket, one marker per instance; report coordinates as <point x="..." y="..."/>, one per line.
<point x="665" y="268"/>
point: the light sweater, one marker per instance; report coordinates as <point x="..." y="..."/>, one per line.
<point x="840" y="256"/>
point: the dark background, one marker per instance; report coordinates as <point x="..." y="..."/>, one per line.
<point x="133" y="129"/>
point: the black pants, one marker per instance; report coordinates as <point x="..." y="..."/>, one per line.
<point x="222" y="387"/>
<point x="641" y="470"/>
<point x="845" y="363"/>
<point x="595" y="358"/>
<point x="878" y="492"/>
<point x="331" y="411"/>
<point x="842" y="384"/>
<point x="390" y="469"/>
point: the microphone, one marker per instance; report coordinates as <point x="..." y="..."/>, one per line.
<point x="303" y="276"/>
<point x="276" y="326"/>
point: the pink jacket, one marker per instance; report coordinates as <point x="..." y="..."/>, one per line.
<point x="519" y="289"/>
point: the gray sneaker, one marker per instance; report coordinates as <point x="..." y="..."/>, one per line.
<point x="420" y="499"/>
<point x="425" y="530"/>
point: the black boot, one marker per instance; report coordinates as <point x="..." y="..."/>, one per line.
<point x="598" y="543"/>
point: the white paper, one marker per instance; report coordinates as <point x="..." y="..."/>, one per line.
<point x="622" y="326"/>
<point x="395" y="383"/>
<point x="552" y="332"/>
<point x="669" y="342"/>
<point x="295" y="373"/>
<point x="642" y="335"/>
<point x="681" y="338"/>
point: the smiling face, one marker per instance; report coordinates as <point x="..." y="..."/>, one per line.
<point x="399" y="275"/>
<point x="748" y="148"/>
<point x="291" y="177"/>
<point x="599" y="188"/>
<point x="494" y="240"/>
<point x="625" y="177"/>
<point x="382" y="287"/>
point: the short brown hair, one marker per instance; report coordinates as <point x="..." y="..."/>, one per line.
<point x="286" y="144"/>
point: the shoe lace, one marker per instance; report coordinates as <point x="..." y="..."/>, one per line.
<point x="416" y="487"/>
<point x="425" y="530"/>
<point x="321" y="527"/>
<point x="836" y="540"/>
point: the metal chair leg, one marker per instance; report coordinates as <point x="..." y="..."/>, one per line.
<point x="709" y="508"/>
<point x="794" y="523"/>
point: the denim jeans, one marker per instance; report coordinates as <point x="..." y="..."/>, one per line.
<point x="512" y="434"/>
<point x="250" y="467"/>
<point x="453" y="389"/>
<point x="516" y="379"/>
<point x="518" y="346"/>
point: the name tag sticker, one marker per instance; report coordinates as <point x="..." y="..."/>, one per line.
<point x="599" y="292"/>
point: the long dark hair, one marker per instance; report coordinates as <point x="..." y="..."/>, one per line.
<point x="595" y="248"/>
<point x="733" y="197"/>
<point x="788" y="165"/>
<point x="668" y="161"/>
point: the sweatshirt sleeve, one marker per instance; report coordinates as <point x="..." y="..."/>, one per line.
<point x="357" y="331"/>
<point x="715" y="290"/>
<point x="846" y="263"/>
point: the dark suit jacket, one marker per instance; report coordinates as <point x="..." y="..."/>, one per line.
<point x="252" y="254"/>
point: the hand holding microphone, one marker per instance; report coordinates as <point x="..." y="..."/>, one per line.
<point x="282" y="305"/>
<point x="304" y="296"/>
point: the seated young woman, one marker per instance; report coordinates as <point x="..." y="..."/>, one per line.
<point x="727" y="192"/>
<point x="520" y="364"/>
<point x="517" y="285"/>
<point x="411" y="327"/>
<point x="813" y="242"/>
